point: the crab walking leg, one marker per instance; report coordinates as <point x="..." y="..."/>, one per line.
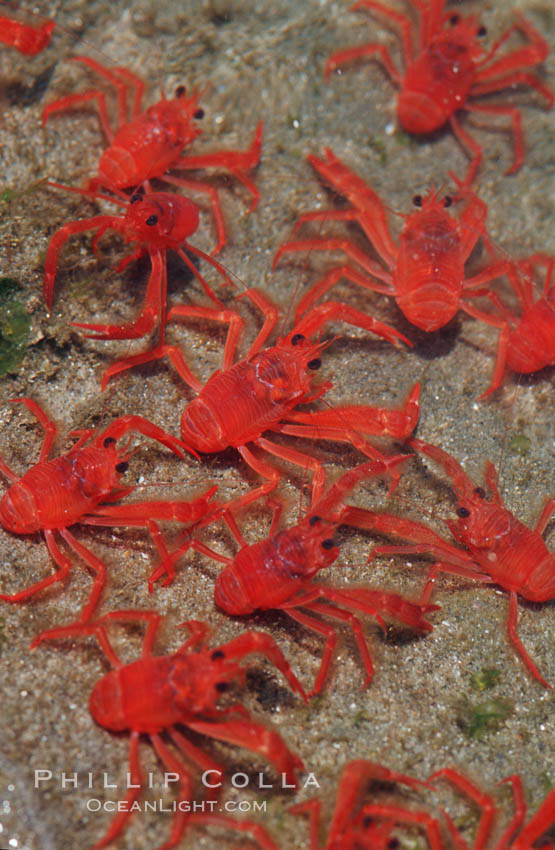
<point x="57" y="242"/>
<point x="316" y="318"/>
<point x="255" y="737"/>
<point x="538" y="825"/>
<point x="519" y="646"/>
<point x="546" y="514"/>
<point x="236" y="162"/>
<point x="124" y="809"/>
<point x="61" y="574"/>
<point x="50" y="427"/>
<point x="229" y="317"/>
<point x="400" y="815"/>
<point x="175" y="765"/>
<point x="241" y="826"/>
<point x="483" y="800"/>
<point x="152" y="311"/>
<point x="347" y="423"/>
<point x="426" y="540"/>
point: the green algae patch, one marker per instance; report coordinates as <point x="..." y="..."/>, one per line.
<point x="476" y="720"/>
<point x="546" y="782"/>
<point x="378" y="147"/>
<point x="404" y="139"/>
<point x="361" y="717"/>
<point x="485" y="679"/>
<point x="14" y="326"/>
<point x="520" y="445"/>
<point x="8" y="194"/>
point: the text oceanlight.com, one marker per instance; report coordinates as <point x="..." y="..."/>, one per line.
<point x="211" y="806"/>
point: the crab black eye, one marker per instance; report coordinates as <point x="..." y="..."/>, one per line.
<point x="447" y="201"/>
<point x="328" y="544"/>
<point x="482" y="32"/>
<point x="198" y="114"/>
<point x="151" y="220"/>
<point x="480" y="492"/>
<point x="368" y="821"/>
<point x="314" y="520"/>
<point x="393" y="843"/>
<point x="108" y="442"/>
<point x="122" y="467"/>
<point x="463" y="512"/>
<point x="417" y="200"/>
<point x="134" y="198"/>
<point x="296" y="339"/>
<point x="454" y="20"/>
<point x="222" y="687"/>
<point x="180" y="91"/>
<point x="314" y="364"/>
<point x="217" y="654"/>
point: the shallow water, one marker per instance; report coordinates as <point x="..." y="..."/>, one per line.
<point x="258" y="60"/>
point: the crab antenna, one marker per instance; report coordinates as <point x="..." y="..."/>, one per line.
<point x="508" y="420"/>
<point x="304" y="270"/>
<point x="90" y="193"/>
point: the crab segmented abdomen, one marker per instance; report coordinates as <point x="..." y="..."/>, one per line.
<point x="436" y="84"/>
<point x="515" y="556"/>
<point x="144" y="148"/>
<point x="262" y="576"/>
<point x="532" y="343"/>
<point x="539" y="584"/>
<point x="56" y="493"/>
<point x="136" y="697"/>
<point x="238" y="404"/>
<point x="429" y="274"/>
